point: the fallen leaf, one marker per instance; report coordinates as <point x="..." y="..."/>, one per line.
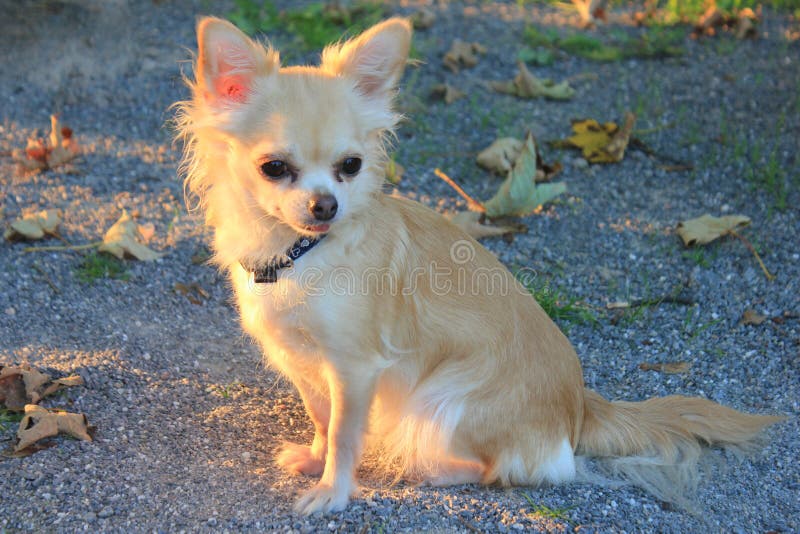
<point x="462" y="54"/>
<point x="147" y="231"/>
<point x="61" y="383"/>
<point x="122" y="240"/>
<point x="40" y="423"/>
<point x="478" y="226"/>
<point x="619" y="141"/>
<point x="201" y="255"/>
<point x="707" y="228"/>
<point x="500" y="156"/>
<point x="746" y="21"/>
<point x="600" y="143"/>
<point x="33" y="226"/>
<point x="526" y="85"/>
<point x="40" y="155"/>
<point x="446" y="92"/>
<point x="752" y="317"/>
<point x="519" y="195"/>
<point x="670" y="368"/>
<point x="12" y="391"/>
<point x="423" y="19"/>
<point x="709" y="20"/>
<point x="394" y="172"/>
<point x="25" y="385"/>
<point x="194" y="292"/>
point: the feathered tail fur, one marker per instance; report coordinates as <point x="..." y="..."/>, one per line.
<point x="657" y="443"/>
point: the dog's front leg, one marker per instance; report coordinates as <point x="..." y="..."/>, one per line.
<point x="351" y="395"/>
<point x="309" y="460"/>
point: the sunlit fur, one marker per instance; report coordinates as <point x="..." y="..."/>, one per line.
<point x="450" y="386"/>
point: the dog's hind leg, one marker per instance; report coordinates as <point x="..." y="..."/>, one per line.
<point x="453" y="471"/>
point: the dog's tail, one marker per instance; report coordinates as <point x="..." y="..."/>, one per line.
<point x="656" y="444"/>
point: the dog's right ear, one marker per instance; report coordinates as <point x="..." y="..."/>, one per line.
<point x="229" y="62"/>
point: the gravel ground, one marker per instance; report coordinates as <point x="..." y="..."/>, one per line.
<point x="187" y="416"/>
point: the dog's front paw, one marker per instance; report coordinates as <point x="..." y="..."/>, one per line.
<point x="300" y="459"/>
<point x="324" y="498"/>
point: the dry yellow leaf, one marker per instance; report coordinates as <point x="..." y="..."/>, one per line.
<point x="122" y="240"/>
<point x="147" y="231"/>
<point x="526" y="85"/>
<point x="752" y="317"/>
<point x="40" y="155"/>
<point x="446" y="92"/>
<point x="670" y="368"/>
<point x="476" y="225"/>
<point x="33" y="226"/>
<point x="707" y="228"/>
<point x="462" y="54"/>
<point x="24" y="385"/>
<point x="40" y="423"/>
<point x="499" y="157"/>
<point x="600" y="143"/>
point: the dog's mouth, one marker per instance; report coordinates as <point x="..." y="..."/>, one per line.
<point x="317" y="228"/>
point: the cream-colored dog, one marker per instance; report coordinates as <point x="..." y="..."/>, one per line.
<point x="397" y="328"/>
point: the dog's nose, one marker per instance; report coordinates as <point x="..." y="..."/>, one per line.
<point x="323" y="207"/>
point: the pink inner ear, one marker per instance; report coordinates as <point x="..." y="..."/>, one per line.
<point x="232" y="68"/>
<point x="233" y="87"/>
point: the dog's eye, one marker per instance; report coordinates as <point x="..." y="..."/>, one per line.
<point x="350" y="166"/>
<point x="274" y="169"/>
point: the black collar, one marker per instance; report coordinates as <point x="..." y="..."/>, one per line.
<point x="268" y="274"/>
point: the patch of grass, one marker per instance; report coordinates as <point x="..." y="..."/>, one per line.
<point x="8" y="418"/>
<point x="766" y="172"/>
<point x="659" y="42"/>
<point x="539" y="56"/>
<point x="691" y="10"/>
<point x="314" y="25"/>
<point x="772" y="178"/>
<point x="558" y="304"/>
<point x="546" y="512"/>
<point x="98" y="265"/>
<point x="701" y="328"/>
<point x="697" y="256"/>
<point x="590" y="48"/>
<point x="535" y="37"/>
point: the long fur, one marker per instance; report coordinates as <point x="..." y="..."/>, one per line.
<point x="399" y="331"/>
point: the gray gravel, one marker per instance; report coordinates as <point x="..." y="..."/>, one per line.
<point x="187" y="417"/>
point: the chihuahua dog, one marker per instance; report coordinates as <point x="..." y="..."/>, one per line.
<point x="398" y="330"/>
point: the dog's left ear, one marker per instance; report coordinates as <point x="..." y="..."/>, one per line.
<point x="374" y="60"/>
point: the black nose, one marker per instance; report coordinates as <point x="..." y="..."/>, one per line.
<point x="323" y="207"/>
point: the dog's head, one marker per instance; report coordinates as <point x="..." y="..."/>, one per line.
<point x="301" y="146"/>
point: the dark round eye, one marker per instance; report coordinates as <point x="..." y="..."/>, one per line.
<point x="274" y="169"/>
<point x="351" y="166"/>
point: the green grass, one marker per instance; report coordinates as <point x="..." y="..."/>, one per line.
<point x="544" y="511"/>
<point x="771" y="178"/>
<point x="658" y="42"/>
<point x="8" y="418"/>
<point x="313" y="26"/>
<point x="558" y="304"/>
<point x="590" y="48"/>
<point x="97" y="265"/>
<point x="697" y="256"/>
